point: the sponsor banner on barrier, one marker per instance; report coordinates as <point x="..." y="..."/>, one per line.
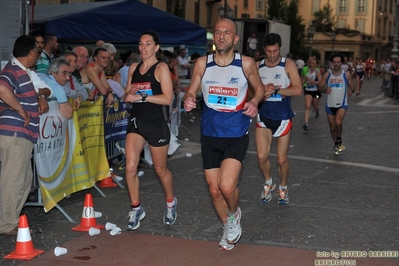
<point x="115" y="120"/>
<point x="70" y="154"/>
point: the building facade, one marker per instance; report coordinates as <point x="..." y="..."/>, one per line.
<point x="373" y="20"/>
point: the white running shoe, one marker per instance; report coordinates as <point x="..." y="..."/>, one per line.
<point x="233" y="227"/>
<point x="223" y="245"/>
<point x="266" y="195"/>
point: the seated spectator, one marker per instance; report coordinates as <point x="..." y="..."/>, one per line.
<point x="114" y="78"/>
<point x="57" y="75"/>
<point x="74" y="89"/>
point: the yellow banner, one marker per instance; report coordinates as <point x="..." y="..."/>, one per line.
<point x="70" y="154"/>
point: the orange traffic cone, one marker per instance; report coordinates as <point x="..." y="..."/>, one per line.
<point x="88" y="219"/>
<point x="107" y="182"/>
<point x="24" y="248"/>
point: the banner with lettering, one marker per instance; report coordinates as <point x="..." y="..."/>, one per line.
<point x="70" y="154"/>
<point x="115" y="120"/>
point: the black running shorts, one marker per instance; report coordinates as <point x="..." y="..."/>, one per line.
<point x="215" y="150"/>
<point x="154" y="130"/>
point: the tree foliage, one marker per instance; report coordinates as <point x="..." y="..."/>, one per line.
<point x="324" y="20"/>
<point x="277" y="9"/>
<point x="294" y="19"/>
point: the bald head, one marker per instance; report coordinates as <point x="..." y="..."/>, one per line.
<point x="227" y="21"/>
<point x="99" y="43"/>
<point x="82" y="56"/>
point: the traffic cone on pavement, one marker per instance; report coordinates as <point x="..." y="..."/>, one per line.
<point x="24" y="248"/>
<point x="88" y="218"/>
<point x="107" y="182"/>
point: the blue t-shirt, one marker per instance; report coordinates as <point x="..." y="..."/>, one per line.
<point x="59" y="91"/>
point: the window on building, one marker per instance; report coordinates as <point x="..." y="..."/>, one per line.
<point x="235" y="11"/>
<point x="64" y="1"/>
<point x="360" y="25"/>
<point x="245" y="15"/>
<point x="342" y="6"/>
<point x="245" y="3"/>
<point x="341" y="23"/>
<point x="389" y="29"/>
<point x="315" y="6"/>
<point x="378" y="27"/>
<point x="259" y="5"/>
<point x="384" y="28"/>
<point x="361" y="6"/>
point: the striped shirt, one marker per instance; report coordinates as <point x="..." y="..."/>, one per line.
<point x="15" y="77"/>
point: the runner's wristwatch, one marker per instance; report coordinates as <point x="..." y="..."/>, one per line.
<point x="143" y="96"/>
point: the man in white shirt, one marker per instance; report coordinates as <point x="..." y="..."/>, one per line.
<point x="182" y="66"/>
<point x="252" y="45"/>
<point x="299" y="64"/>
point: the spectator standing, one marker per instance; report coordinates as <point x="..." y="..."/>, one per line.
<point x="394" y="71"/>
<point x="182" y="66"/>
<point x="123" y="71"/>
<point x="252" y="45"/>
<point x="47" y="55"/>
<point x="57" y="76"/>
<point x="299" y="65"/>
<point x="40" y="44"/>
<point x="74" y="89"/>
<point x="111" y="50"/>
<point x="114" y="78"/>
<point x="93" y="76"/>
<point x="19" y="128"/>
<point x="83" y="57"/>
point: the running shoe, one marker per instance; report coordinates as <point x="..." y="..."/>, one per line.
<point x="223" y="244"/>
<point x="305" y="127"/>
<point x="336" y="149"/>
<point x="170" y="215"/>
<point x="283" y="198"/>
<point x="233" y="227"/>
<point x="341" y="147"/>
<point x="135" y="216"/>
<point x="266" y="195"/>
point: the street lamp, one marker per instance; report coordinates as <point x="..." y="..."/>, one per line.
<point x="311" y="31"/>
<point x="225" y="11"/>
<point x="333" y="40"/>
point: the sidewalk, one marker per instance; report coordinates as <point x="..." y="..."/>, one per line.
<point x="337" y="203"/>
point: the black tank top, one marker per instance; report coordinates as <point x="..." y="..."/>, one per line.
<point x="148" y="83"/>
